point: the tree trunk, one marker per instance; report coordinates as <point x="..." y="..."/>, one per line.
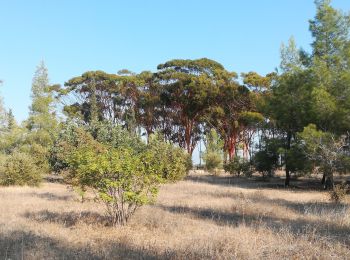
<point x="188" y="131"/>
<point x="232" y="141"/>
<point x="323" y="179"/>
<point x="289" y="138"/>
<point x="329" y="184"/>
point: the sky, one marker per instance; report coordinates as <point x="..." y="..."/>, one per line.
<point x="76" y="36"/>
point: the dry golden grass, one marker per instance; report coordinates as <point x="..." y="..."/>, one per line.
<point x="203" y="217"/>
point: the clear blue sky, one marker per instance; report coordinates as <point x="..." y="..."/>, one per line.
<point x="75" y="36"/>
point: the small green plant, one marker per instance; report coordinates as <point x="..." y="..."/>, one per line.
<point x="20" y="169"/>
<point x="338" y="194"/>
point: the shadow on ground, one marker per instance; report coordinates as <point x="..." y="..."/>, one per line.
<point x="68" y="219"/>
<point x="27" y="245"/>
<point x="51" y="196"/>
<point x="299" y="226"/>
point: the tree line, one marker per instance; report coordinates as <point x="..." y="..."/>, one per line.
<point x="92" y="129"/>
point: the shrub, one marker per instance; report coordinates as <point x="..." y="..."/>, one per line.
<point x="173" y="162"/>
<point x="124" y="178"/>
<point x="265" y="163"/>
<point x="39" y="154"/>
<point x="212" y="155"/>
<point x="298" y="162"/>
<point x="239" y="166"/>
<point x="212" y="160"/>
<point x="20" y="169"/>
<point x="338" y="193"/>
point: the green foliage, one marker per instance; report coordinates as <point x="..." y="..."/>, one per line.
<point x="298" y="160"/>
<point x="172" y="161"/>
<point x="115" y="135"/>
<point x="239" y="166"/>
<point x="265" y="161"/>
<point x="212" y="160"/>
<point x="325" y="150"/>
<point x="213" y="153"/>
<point x="11" y="121"/>
<point x="42" y="111"/>
<point x="71" y="137"/>
<point x="188" y="89"/>
<point x="124" y="174"/>
<point x="19" y="169"/>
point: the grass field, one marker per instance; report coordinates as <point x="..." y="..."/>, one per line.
<point x="203" y="217"/>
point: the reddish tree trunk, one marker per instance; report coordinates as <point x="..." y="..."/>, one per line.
<point x="232" y="146"/>
<point x="188" y="131"/>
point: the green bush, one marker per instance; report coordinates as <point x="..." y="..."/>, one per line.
<point x="20" y="169"/>
<point x="124" y="177"/>
<point x="173" y="162"/>
<point x="39" y="154"/>
<point x="212" y="160"/>
<point x="239" y="166"/>
<point x="297" y="159"/>
<point x="265" y="161"/>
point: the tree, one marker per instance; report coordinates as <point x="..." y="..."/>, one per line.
<point x="148" y="104"/>
<point x="290" y="104"/>
<point x="330" y="66"/>
<point x="233" y="114"/>
<point x="42" y="123"/>
<point x="188" y="88"/>
<point x="99" y="96"/>
<point x="95" y="95"/>
<point x="11" y="121"/>
<point x="42" y="115"/>
<point x="327" y="151"/>
<point x="330" y="30"/>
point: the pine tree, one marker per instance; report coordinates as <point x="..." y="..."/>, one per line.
<point x="42" y="117"/>
<point x="11" y="121"/>
<point x="42" y="123"/>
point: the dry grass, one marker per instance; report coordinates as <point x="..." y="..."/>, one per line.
<point x="203" y="217"/>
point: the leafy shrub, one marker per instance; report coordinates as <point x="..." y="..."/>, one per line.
<point x="39" y="154"/>
<point x="124" y="177"/>
<point x="265" y="163"/>
<point x="297" y="159"/>
<point x="212" y="160"/>
<point x="239" y="166"/>
<point x="212" y="155"/>
<point x="20" y="169"/>
<point x="338" y="194"/>
<point x="173" y="162"/>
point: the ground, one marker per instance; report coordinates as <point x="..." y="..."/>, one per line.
<point x="202" y="217"/>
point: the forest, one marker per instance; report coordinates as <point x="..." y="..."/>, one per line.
<point x="117" y="139"/>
